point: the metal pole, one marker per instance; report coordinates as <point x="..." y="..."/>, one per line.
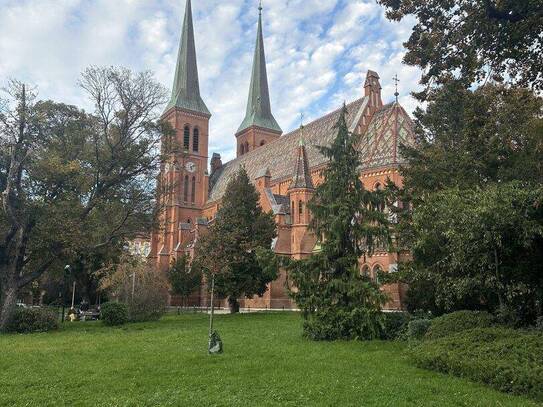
<point x="73" y="295"/>
<point x="67" y="270"/>
<point x="133" y="285"/>
<point x="212" y="293"/>
<point x="64" y="299"/>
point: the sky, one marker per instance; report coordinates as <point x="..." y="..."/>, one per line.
<point x="317" y="51"/>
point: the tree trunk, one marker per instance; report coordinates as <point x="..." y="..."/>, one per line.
<point x="497" y="265"/>
<point x="233" y="304"/>
<point x="8" y="302"/>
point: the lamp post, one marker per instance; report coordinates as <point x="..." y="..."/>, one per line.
<point x="67" y="271"/>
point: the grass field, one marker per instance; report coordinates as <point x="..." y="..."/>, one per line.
<point x="266" y="363"/>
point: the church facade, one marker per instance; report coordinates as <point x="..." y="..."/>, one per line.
<point x="283" y="167"/>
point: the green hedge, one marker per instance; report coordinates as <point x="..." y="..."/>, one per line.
<point x="459" y="321"/>
<point x="114" y="313"/>
<point x="395" y="325"/>
<point x="505" y="359"/>
<point x="418" y="328"/>
<point x="28" y="320"/>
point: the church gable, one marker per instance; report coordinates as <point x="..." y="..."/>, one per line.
<point x="389" y="128"/>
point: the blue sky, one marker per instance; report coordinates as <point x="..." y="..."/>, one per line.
<point x="318" y="51"/>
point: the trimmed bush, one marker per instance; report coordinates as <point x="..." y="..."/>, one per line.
<point x="418" y="328"/>
<point x="114" y="313"/>
<point x="459" y="321"/>
<point x="395" y="325"/>
<point x="28" y="320"/>
<point x="539" y="324"/>
<point x="506" y="359"/>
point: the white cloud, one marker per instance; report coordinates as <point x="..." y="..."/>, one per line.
<point x="318" y="51"/>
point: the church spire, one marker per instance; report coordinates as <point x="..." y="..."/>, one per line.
<point x="258" y="106"/>
<point x="302" y="177"/>
<point x="186" y="87"/>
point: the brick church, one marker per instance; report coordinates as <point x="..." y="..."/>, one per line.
<point x="284" y="167"/>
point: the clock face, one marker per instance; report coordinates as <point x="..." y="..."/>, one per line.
<point x="190" y="166"/>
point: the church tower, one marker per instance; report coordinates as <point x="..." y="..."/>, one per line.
<point x="259" y="126"/>
<point x="300" y="192"/>
<point x="183" y="176"/>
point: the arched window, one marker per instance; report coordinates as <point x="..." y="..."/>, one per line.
<point x="246" y="146"/>
<point x="292" y="211"/>
<point x="242" y="149"/>
<point x="186" y="137"/>
<point x="193" y="194"/>
<point x="377" y="269"/>
<point x="300" y="208"/>
<point x="195" y="139"/>
<point x="366" y="270"/>
<point x="186" y="189"/>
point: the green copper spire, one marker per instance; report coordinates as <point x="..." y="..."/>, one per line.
<point x="258" y="106"/>
<point x="186" y="87"/>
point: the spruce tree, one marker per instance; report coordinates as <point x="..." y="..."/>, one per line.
<point x="240" y="234"/>
<point x="338" y="302"/>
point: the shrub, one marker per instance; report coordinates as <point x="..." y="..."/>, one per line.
<point x="342" y="325"/>
<point x="141" y="287"/>
<point x="459" y="321"/>
<point x="508" y="316"/>
<point x="147" y="305"/>
<point x="28" y="320"/>
<point x="395" y="325"/>
<point x="505" y="359"/>
<point x="114" y="313"/>
<point x="539" y="324"/>
<point x="417" y="328"/>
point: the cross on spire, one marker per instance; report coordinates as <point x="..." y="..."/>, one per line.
<point x="186" y="87"/>
<point x="396" y="81"/>
<point x="259" y="112"/>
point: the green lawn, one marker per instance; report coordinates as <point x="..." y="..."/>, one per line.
<point x="266" y="363"/>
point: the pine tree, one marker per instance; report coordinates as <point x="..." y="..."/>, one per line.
<point x="336" y="300"/>
<point x="231" y="249"/>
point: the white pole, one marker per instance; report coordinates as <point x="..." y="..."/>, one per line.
<point x="212" y="294"/>
<point x="73" y="295"/>
<point x="133" y="285"/>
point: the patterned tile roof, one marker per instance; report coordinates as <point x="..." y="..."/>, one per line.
<point x="389" y="128"/>
<point x="389" y="125"/>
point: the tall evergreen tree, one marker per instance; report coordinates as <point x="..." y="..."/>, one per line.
<point x="336" y="300"/>
<point x="231" y="249"/>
